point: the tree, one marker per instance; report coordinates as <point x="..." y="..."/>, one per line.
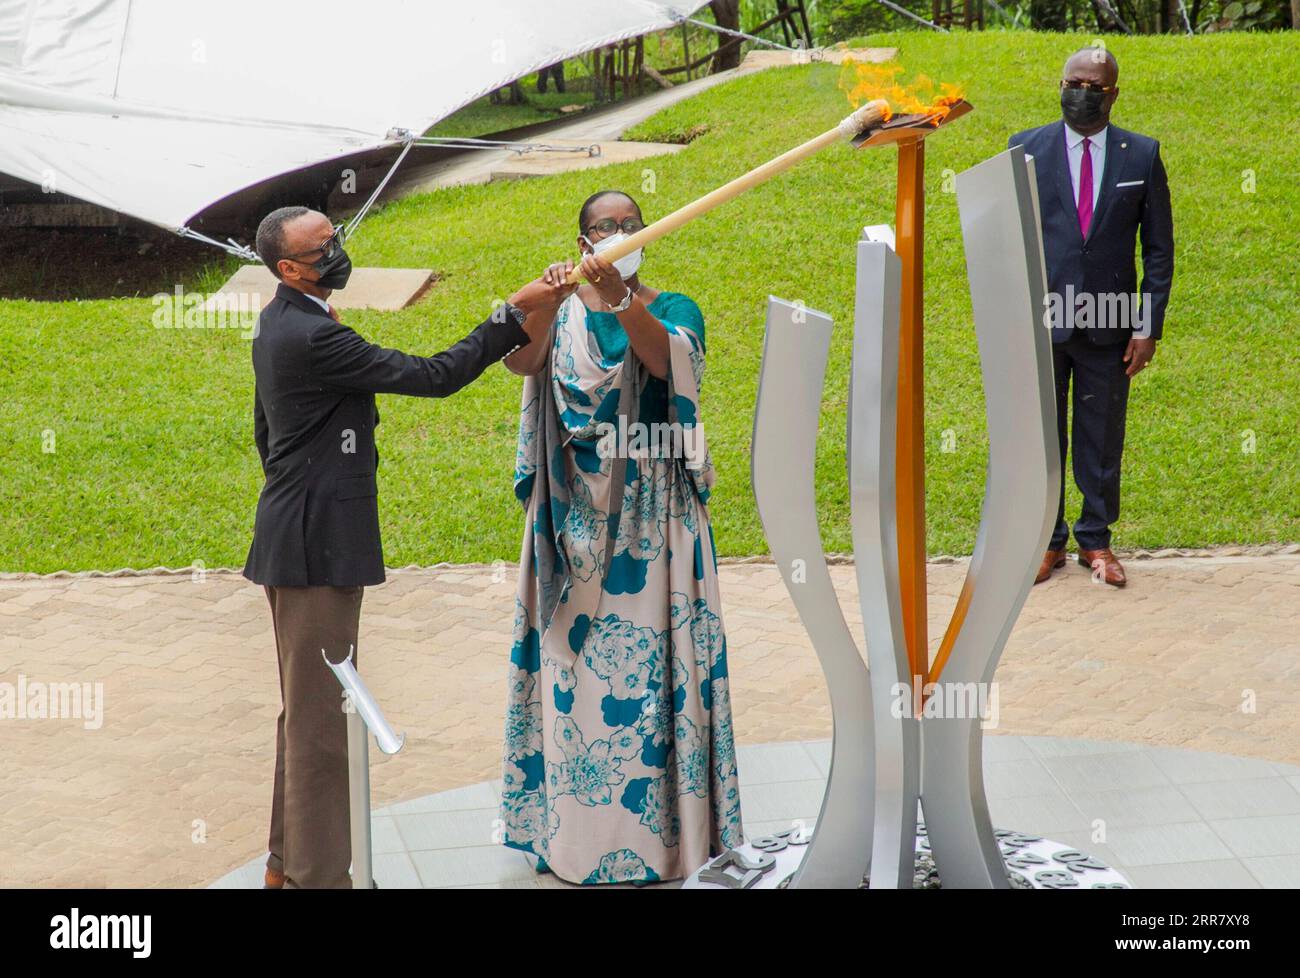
<point x="1050" y="15"/>
<point x="726" y="13"/>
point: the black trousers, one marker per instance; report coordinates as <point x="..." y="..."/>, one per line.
<point x="1100" y="406"/>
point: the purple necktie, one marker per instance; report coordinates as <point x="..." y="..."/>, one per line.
<point x="1085" y="188"/>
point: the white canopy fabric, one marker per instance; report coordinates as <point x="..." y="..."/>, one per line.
<point x="159" y="108"/>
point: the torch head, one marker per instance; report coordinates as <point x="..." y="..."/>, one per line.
<point x="866" y="116"/>
<point x="900" y="128"/>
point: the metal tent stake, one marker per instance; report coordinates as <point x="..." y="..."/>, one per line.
<point x="363" y="714"/>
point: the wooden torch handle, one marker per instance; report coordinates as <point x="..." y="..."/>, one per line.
<point x="867" y="115"/>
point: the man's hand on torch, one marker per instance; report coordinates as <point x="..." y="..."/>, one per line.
<point x="539" y="301"/>
<point x="556" y="273"/>
<point x="541" y="295"/>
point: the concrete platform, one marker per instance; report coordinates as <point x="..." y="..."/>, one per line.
<point x="253" y="287"/>
<point x="1165" y="818"/>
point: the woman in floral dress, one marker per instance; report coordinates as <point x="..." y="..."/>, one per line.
<point x="620" y="762"/>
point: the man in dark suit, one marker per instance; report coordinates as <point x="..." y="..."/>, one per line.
<point x="1101" y="190"/>
<point x="316" y="539"/>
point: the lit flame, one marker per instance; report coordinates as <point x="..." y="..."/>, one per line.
<point x="861" y="81"/>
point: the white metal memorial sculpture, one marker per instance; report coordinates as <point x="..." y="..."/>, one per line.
<point x="885" y="758"/>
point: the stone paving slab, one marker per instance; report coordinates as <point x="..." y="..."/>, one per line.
<point x="252" y="288"/>
<point x="767" y="58"/>
<point x="173" y="787"/>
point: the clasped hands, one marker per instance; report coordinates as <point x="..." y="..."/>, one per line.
<point x="545" y="294"/>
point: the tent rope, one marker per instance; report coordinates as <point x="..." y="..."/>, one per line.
<point x="231" y="245"/>
<point x="409" y="139"/>
<point x="741" y="34"/>
<point x="916" y="17"/>
<point x="454" y="142"/>
<point x="467" y="142"/>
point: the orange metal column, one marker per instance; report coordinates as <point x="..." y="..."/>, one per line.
<point x="910" y="238"/>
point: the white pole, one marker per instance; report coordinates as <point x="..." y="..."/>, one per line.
<point x="359" y="800"/>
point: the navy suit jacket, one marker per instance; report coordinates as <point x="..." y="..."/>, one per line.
<point x="314" y="424"/>
<point x="1133" y="204"/>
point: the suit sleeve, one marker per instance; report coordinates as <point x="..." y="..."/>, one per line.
<point x="259" y="426"/>
<point x="340" y="358"/>
<point x="1157" y="236"/>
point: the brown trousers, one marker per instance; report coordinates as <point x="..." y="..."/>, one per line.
<point x="310" y="840"/>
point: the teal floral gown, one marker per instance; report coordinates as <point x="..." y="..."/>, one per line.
<point x="620" y="761"/>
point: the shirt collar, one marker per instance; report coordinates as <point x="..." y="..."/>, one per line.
<point x="1073" y="139"/>
<point x="318" y="300"/>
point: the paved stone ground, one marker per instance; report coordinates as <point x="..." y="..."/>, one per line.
<point x="173" y="789"/>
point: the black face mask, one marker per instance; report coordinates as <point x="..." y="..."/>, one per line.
<point x="1082" y="108"/>
<point x="333" y="272"/>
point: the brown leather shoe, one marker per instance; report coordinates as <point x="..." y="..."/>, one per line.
<point x="1053" y="560"/>
<point x="273" y="880"/>
<point x="1112" y="570"/>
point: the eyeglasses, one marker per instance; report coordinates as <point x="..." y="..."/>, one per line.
<point x="607" y="226"/>
<point x="328" y="249"/>
<point x="1087" y="85"/>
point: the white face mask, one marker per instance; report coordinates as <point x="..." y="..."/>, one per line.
<point x="628" y="264"/>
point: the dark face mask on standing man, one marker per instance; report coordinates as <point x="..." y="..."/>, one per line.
<point x="1082" y="108"/>
<point x="334" y="272"/>
<point x="334" y="266"/>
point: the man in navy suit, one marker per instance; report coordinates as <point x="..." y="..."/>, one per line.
<point x="1101" y="190"/>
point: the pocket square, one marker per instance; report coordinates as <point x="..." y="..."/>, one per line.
<point x="1130" y="183"/>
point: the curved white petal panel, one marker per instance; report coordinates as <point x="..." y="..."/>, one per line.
<point x="795" y="348"/>
<point x="1004" y="262"/>
<point x="872" y="431"/>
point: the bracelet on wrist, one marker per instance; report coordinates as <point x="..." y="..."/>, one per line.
<point x="622" y="306"/>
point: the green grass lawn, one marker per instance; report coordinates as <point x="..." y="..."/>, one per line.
<point x="483" y="116"/>
<point x="154" y="463"/>
<point x="662" y="51"/>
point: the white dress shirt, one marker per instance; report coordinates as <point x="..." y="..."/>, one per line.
<point x="326" y="306"/>
<point x="1074" y="151"/>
